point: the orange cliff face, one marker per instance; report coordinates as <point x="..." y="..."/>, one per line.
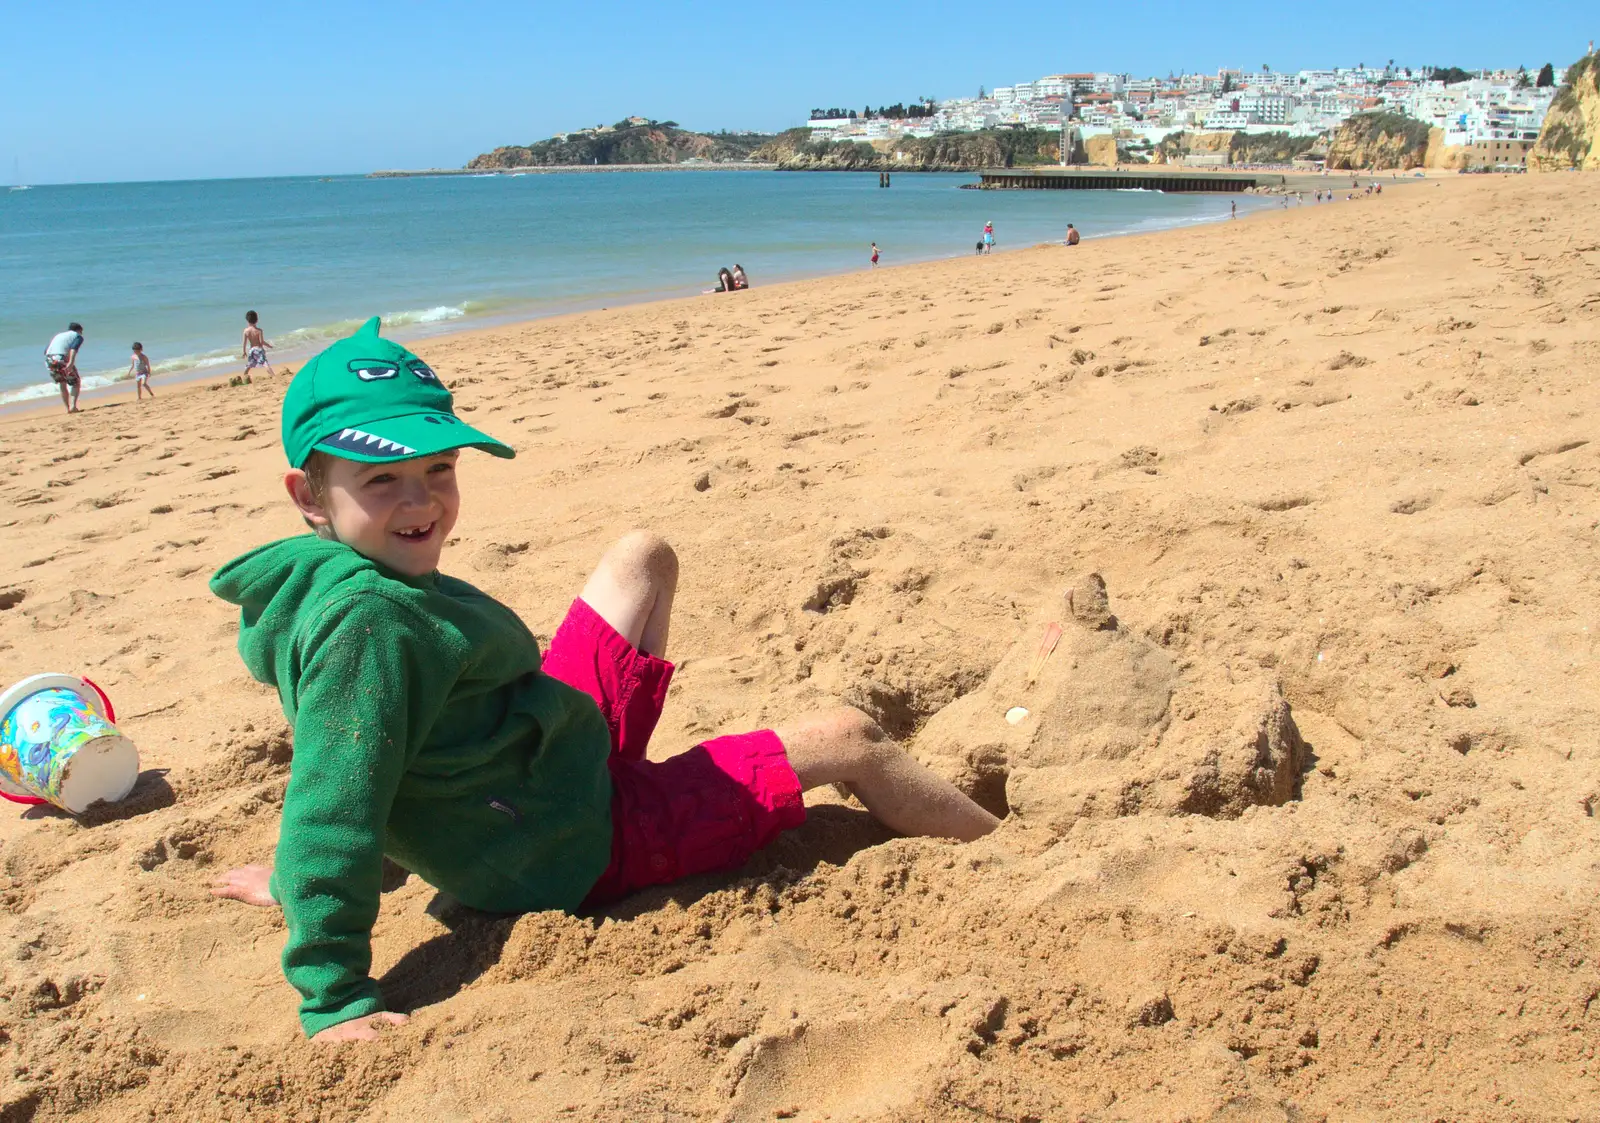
<point x="1570" y="137"/>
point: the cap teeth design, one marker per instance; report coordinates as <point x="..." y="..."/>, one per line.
<point x="358" y="440"/>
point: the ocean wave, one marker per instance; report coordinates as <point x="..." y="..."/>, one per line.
<point x="48" y="389"/>
<point x="300" y="340"/>
<point x="439" y="315"/>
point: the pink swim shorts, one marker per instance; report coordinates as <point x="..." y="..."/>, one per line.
<point x="706" y="809"/>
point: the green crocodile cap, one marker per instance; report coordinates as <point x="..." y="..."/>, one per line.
<point x="367" y="398"/>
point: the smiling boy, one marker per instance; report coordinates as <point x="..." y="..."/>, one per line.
<point x="429" y="728"/>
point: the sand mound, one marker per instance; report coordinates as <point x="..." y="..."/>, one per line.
<point x="1300" y="809"/>
<point x="1094" y="722"/>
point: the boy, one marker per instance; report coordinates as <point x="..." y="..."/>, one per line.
<point x="255" y="346"/>
<point x="61" y="359"/>
<point x="139" y="367"/>
<point x="428" y="728"/>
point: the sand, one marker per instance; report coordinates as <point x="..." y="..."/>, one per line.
<point x="1301" y="811"/>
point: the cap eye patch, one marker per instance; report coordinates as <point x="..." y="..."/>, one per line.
<point x="374" y="370"/>
<point x="423" y="371"/>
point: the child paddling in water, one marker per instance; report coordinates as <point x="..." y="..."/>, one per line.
<point x="429" y="728"/>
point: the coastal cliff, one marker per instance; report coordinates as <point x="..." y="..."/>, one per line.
<point x="796" y="150"/>
<point x="648" y="143"/>
<point x="1441" y="156"/>
<point x="1242" y="148"/>
<point x="1379" y="141"/>
<point x="1570" y="137"/>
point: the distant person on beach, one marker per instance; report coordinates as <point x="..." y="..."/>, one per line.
<point x="1233" y="209"/>
<point x="430" y="728"/>
<point x="740" y="281"/>
<point x="139" y="368"/>
<point x="61" y="359"/>
<point x="988" y="237"/>
<point x="874" y="255"/>
<point x="255" y="346"/>
<point x="1072" y="235"/>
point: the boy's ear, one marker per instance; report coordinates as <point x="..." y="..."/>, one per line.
<point x="299" y="489"/>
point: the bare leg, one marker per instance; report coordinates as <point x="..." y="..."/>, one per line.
<point x="845" y="746"/>
<point x="632" y="590"/>
<point x="66" y="402"/>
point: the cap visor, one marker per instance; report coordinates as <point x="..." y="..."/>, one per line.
<point x="408" y="437"/>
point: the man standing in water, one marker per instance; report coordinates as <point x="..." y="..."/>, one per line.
<point x="255" y="346"/>
<point x="61" y="357"/>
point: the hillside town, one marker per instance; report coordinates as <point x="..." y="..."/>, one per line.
<point x="1497" y="113"/>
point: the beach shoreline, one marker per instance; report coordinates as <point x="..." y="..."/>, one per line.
<point x="44" y="399"/>
<point x="542" y="169"/>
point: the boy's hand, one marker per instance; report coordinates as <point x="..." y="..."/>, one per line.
<point x="359" y="1029"/>
<point x="249" y="884"/>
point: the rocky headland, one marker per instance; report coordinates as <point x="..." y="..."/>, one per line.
<point x="645" y="142"/>
<point x="799" y="150"/>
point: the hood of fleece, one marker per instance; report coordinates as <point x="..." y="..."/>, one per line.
<point x="277" y="585"/>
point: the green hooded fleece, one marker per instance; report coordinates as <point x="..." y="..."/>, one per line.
<point x="424" y="730"/>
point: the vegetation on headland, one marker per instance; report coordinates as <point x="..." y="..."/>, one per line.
<point x="801" y="150"/>
<point x="633" y="141"/>
<point x="1570" y="136"/>
<point x="899" y="111"/>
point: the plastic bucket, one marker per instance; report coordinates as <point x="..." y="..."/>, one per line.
<point x="58" y="744"/>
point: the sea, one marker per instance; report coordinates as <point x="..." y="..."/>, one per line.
<point x="176" y="265"/>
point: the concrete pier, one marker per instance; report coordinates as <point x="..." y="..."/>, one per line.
<point x="1112" y="179"/>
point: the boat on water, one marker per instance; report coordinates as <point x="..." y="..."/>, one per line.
<point x="19" y="187"/>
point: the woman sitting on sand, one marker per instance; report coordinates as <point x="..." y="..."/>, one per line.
<point x="740" y="281"/>
<point x="724" y="281"/>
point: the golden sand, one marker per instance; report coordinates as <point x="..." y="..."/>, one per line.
<point x="1301" y="812"/>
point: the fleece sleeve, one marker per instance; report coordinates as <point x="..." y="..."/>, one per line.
<point x="374" y="675"/>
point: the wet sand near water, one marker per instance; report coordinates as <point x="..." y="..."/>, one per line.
<point x="1301" y="812"/>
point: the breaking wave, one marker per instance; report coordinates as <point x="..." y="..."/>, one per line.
<point x="299" y="341"/>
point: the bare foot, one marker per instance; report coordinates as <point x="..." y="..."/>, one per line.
<point x="358" y="1029"/>
<point x="250" y="885"/>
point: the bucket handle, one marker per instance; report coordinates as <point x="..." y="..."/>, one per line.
<point x="105" y="700"/>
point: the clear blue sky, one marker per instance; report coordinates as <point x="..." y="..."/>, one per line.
<point x="113" y="90"/>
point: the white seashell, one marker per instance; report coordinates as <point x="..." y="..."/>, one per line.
<point x="1015" y="715"/>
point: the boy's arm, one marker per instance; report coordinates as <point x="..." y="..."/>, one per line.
<point x="362" y="703"/>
